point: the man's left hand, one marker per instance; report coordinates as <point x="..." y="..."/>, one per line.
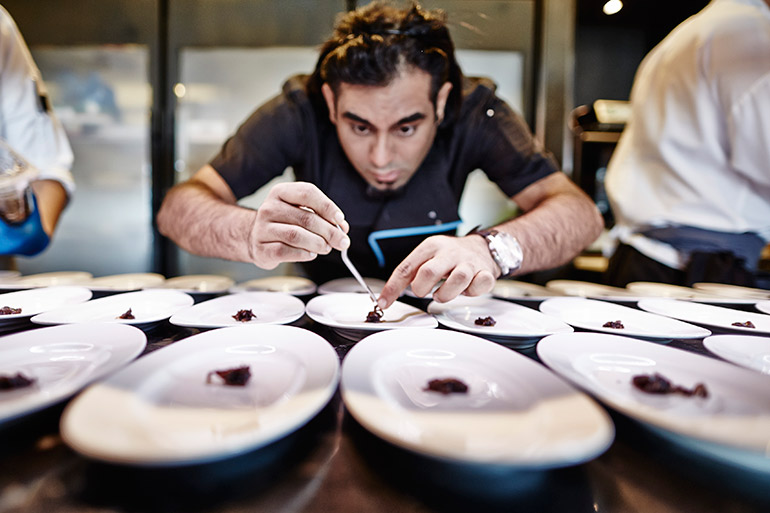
<point x="463" y="262"/>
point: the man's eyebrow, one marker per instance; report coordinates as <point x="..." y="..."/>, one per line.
<point x="357" y="119"/>
<point x="411" y="119"/>
<point x="408" y="119"/>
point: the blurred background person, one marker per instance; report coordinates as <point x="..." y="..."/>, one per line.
<point x="689" y="183"/>
<point x="36" y="158"/>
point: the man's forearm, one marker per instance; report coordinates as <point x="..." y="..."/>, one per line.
<point x="202" y="223"/>
<point x="51" y="200"/>
<point x="557" y="230"/>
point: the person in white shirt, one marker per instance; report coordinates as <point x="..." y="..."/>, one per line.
<point x="689" y="182"/>
<point x="28" y="126"/>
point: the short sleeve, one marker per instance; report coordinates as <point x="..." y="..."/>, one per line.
<point x="506" y="149"/>
<point x="268" y="142"/>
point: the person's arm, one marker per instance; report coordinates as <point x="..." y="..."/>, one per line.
<point x="202" y="217"/>
<point x="31" y="129"/>
<point x="51" y="198"/>
<point x="560" y="221"/>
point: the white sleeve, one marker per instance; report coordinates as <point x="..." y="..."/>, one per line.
<point x="27" y="121"/>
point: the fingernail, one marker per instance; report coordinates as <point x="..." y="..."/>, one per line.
<point x="345" y="243"/>
<point x="339" y="217"/>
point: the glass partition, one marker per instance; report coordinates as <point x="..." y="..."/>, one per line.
<point x="218" y="89"/>
<point x="102" y="96"/>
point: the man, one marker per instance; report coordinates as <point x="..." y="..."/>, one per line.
<point x="689" y="182"/>
<point x="32" y="135"/>
<point x="386" y="131"/>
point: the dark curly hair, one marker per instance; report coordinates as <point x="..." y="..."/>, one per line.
<point x="374" y="44"/>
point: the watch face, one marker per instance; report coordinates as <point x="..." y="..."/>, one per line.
<point x="507" y="252"/>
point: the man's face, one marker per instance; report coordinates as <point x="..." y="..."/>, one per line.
<point x="386" y="132"/>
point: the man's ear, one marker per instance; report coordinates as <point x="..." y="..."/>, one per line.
<point x="441" y="99"/>
<point x="331" y="102"/>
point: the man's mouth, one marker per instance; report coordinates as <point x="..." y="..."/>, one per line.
<point x="388" y="178"/>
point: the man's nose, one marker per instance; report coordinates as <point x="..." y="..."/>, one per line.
<point x="380" y="153"/>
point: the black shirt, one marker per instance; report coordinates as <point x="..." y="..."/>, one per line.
<point x="289" y="131"/>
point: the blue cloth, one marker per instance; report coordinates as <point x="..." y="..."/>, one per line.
<point x="26" y="238"/>
<point x="688" y="239"/>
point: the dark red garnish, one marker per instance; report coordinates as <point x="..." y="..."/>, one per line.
<point x="375" y="315"/>
<point x="485" y="321"/>
<point x="9" y="310"/>
<point x="657" y="384"/>
<point x="244" y="316"/>
<point x="447" y="386"/>
<point x="613" y="324"/>
<point x="236" y="377"/>
<point x="127" y="315"/>
<point x="747" y="324"/>
<point x="13" y="382"/>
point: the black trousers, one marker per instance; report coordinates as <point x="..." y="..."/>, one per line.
<point x="628" y="265"/>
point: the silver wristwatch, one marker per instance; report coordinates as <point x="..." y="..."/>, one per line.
<point x="505" y="250"/>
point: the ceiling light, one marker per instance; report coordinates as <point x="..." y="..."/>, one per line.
<point x="180" y="90"/>
<point x="612" y="7"/>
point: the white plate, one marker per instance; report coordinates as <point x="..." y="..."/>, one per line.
<point x="512" y="289"/>
<point x="763" y="306"/>
<point x="348" y="312"/>
<point x="125" y="282"/>
<point x="652" y="289"/>
<point x="147" y="306"/>
<point x="161" y="411"/>
<point x="295" y="285"/>
<point x="9" y="275"/>
<point x="732" y="423"/>
<point x="732" y="291"/>
<point x="709" y="315"/>
<point x="590" y="290"/>
<point x="269" y="308"/>
<point x="747" y="351"/>
<point x="35" y="301"/>
<point x="515" y="413"/>
<point x="62" y="359"/>
<point x="591" y="314"/>
<point x="48" y="280"/>
<point x="515" y="325"/>
<point x="199" y="283"/>
<point x="350" y="285"/>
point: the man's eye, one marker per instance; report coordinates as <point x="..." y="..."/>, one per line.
<point x="360" y="129"/>
<point x="406" y="130"/>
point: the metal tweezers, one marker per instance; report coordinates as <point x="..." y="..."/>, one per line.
<point x="359" y="278"/>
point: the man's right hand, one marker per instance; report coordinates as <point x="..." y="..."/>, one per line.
<point x="295" y="223"/>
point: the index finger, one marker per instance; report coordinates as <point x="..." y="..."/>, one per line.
<point x="304" y="194"/>
<point x="402" y="276"/>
